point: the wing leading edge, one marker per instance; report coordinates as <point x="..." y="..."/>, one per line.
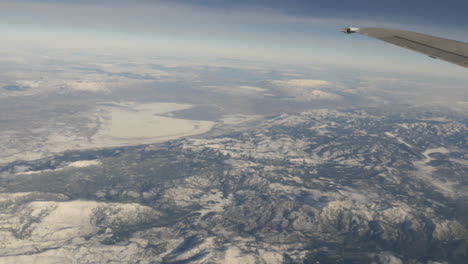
<point x="445" y="49"/>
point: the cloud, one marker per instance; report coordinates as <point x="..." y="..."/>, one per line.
<point x="88" y="86"/>
<point x="429" y="92"/>
<point x="307" y="90"/>
<point x="252" y="88"/>
<point x="236" y="90"/>
<point x="29" y="83"/>
<point x="19" y="87"/>
<point x="301" y="83"/>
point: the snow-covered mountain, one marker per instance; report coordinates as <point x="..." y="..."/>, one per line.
<point x="354" y="186"/>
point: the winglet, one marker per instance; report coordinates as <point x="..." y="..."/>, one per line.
<point x="350" y="30"/>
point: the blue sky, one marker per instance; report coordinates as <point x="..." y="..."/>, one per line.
<point x="420" y="11"/>
<point x="296" y="31"/>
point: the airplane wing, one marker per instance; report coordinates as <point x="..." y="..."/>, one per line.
<point x="439" y="48"/>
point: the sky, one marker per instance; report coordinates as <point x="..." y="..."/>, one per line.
<point x="293" y="31"/>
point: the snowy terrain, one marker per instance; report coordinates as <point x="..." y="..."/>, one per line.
<point x="117" y="124"/>
<point x="322" y="186"/>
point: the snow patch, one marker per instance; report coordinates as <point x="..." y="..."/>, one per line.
<point x="142" y="124"/>
<point x="84" y="163"/>
<point x="214" y="202"/>
<point x="113" y="125"/>
<point x="76" y="164"/>
<point x="425" y="171"/>
<point x="234" y="255"/>
<point x="238" y="119"/>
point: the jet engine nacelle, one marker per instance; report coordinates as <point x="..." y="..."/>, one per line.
<point x="350" y="30"/>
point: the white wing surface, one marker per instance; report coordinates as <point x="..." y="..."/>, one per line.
<point x="445" y="49"/>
